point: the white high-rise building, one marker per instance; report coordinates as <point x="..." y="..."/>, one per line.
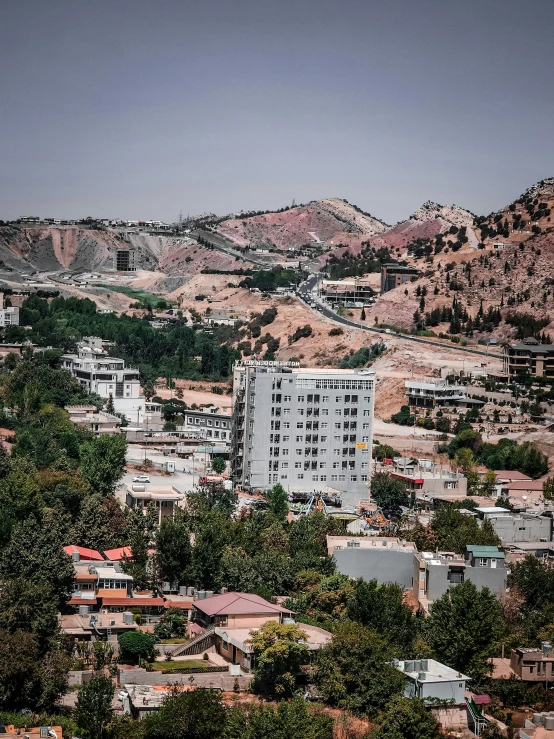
<point x="309" y="429"/>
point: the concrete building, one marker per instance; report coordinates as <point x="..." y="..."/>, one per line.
<point x="436" y="572"/>
<point x="125" y="260"/>
<point x="347" y="292"/>
<point x="308" y="429"/>
<point x="106" y="376"/>
<point x="99" y="422"/>
<point x="166" y="498"/>
<point x="395" y="275"/>
<point x="8" y="316"/>
<point x="208" y="424"/>
<point x="438" y="394"/>
<point x="511" y="527"/>
<point x="533" y="665"/>
<point x="428" y="679"/>
<point x="425" y="479"/>
<point x="529" y="356"/>
<point x="385" y="559"/>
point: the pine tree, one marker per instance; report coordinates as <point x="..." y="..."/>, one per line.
<point x="362" y="314"/>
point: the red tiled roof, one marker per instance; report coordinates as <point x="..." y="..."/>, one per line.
<point x="75" y="600"/>
<point x="237" y="604"/>
<point x="115" y="555"/>
<point x="84" y="553"/>
<point x="133" y="602"/>
<point x="178" y="603"/>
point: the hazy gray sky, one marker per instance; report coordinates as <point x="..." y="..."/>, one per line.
<point x="141" y="108"/>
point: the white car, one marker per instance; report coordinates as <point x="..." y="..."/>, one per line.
<point x="122" y="695"/>
<point x="142" y="479"/>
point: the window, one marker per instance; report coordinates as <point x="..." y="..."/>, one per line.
<point x="286" y="424"/>
<point x="286" y="411"/>
<point x="367" y="413"/>
<point x="323" y="478"/>
<point x="300" y="475"/>
<point x="286" y="438"/>
<point x="324" y="425"/>
<point x="363" y="478"/>
<point x="325" y="411"/>
<point x="367" y="399"/>
<point x="482" y="562"/>
<point x="334" y="478"/>
<point x="315" y="478"/>
<point x="353" y="478"/>
<point x="323" y="452"/>
<point x="300" y="399"/>
<point x="299" y="439"/>
<point x="287" y="398"/>
<point x="338" y="425"/>
<point x="338" y="398"/>
<point x="336" y="465"/>
<point x="364" y="465"/>
<point x="338" y="411"/>
<point x="298" y="465"/>
<point x="301" y="411"/>
<point x="342" y="478"/>
<point x="336" y="452"/>
<point x="300" y="425"/>
<point x="323" y="439"/>
<point x="298" y="452"/>
<point x="325" y="398"/>
<point x="322" y="465"/>
<point x="285" y="452"/>
<point x="284" y="477"/>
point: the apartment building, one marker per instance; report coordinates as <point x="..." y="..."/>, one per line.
<point x="8" y="316"/>
<point x="425" y="479"/>
<point x="107" y="377"/>
<point x="436" y="572"/>
<point x="308" y="429"/>
<point x="529" y="356"/>
<point x="438" y="394"/>
<point x="208" y="424"/>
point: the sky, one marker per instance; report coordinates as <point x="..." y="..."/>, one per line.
<point x="146" y="108"/>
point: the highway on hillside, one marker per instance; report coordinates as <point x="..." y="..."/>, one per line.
<point x="304" y="292"/>
<point x="221" y="244"/>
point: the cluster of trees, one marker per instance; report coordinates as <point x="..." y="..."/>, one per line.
<point x="528" y="324"/>
<point x="363" y="357"/>
<point x="268" y="280"/>
<point x="356" y="265"/>
<point x="174" y="351"/>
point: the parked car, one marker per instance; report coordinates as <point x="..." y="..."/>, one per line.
<point x="141" y="479"/>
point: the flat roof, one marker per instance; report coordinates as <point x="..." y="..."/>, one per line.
<point x="435" y="672"/>
<point x="110" y="573"/>
<point x="492" y="509"/>
<point x="369" y="542"/>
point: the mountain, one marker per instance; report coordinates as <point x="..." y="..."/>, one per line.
<point x="331" y="221"/>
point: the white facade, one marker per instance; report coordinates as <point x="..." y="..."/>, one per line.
<point x="108" y="377"/>
<point x="308" y="429"/>
<point x="428" y="679"/>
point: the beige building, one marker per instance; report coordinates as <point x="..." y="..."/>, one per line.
<point x="165" y="497"/>
<point x="99" y="422"/>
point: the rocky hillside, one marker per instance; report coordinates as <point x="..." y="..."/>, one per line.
<point x="331" y="221"/>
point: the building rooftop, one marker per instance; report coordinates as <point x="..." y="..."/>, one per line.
<point x="335" y="543"/>
<point x="478" y="550"/>
<point x="316" y="637"/>
<point x="510" y="475"/>
<point x="238" y="604"/>
<point x="110" y="573"/>
<point x="435" y="672"/>
<point x="116" y="555"/>
<point x="83" y="552"/>
<point x="156" y="492"/>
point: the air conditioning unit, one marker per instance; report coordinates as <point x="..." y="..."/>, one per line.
<point x="112" y="623"/>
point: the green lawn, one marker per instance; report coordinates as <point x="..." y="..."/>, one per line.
<point x="174" y="640"/>
<point x="180" y="664"/>
<point x="141" y="296"/>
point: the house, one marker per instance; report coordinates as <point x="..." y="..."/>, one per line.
<point x="426" y="479"/>
<point x="533" y="665"/>
<point x="519" y="550"/>
<point x="386" y="559"/>
<point x="165" y="497"/>
<point x="430" y="680"/>
<point x="219" y="319"/>
<point x="394" y="275"/>
<point x="227" y="621"/>
<point x="83" y="553"/>
<point x="529" y="357"/>
<point x="107" y="376"/>
<point x="9" y="731"/>
<point x="8" y="316"/>
<point x="99" y="422"/>
<point x="439" y="394"/>
<point x="436" y="572"/>
<point x="516" y="527"/>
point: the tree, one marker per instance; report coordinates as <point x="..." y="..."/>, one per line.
<point x="174" y="550"/>
<point x="454" y="531"/>
<point x="407" y="718"/>
<point x="196" y="714"/>
<point x="382" y="607"/>
<point x="389" y="493"/>
<point x="279" y="651"/>
<point x="103" y="462"/>
<point x="278" y="501"/>
<point x="362" y="314"/>
<point x="218" y="465"/>
<point x="35" y="554"/>
<point x="354" y="671"/>
<point x="290" y="720"/>
<point x="110" y="407"/>
<point x="465" y="460"/>
<point x="101" y="524"/>
<point x="29" y="607"/>
<point x="93" y="710"/>
<point x="464" y="627"/>
<point x="548" y="488"/>
<point x="136" y="645"/>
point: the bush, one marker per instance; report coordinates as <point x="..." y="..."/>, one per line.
<point x="336" y="331"/>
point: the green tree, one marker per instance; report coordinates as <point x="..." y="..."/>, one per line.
<point x="453" y="530"/>
<point x="101" y="524"/>
<point x="548" y="488"/>
<point x="279" y="650"/>
<point x="389" y="493"/>
<point x="278" y="501"/>
<point x="197" y="714"/>
<point x="103" y="462"/>
<point x="354" y="671"/>
<point x="93" y="710"/>
<point x="464" y="628"/>
<point x="35" y="554"/>
<point x="136" y="645"/>
<point x="174" y="550"/>
<point x="382" y="607"/>
<point x="218" y="465"/>
<point x="288" y="720"/>
<point x="29" y="607"/>
<point x="407" y="718"/>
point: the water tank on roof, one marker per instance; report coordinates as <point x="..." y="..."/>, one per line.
<point x="409" y="666"/>
<point x="138" y="488"/>
<point x="424" y="664"/>
<point x="549" y="723"/>
<point x="201" y="594"/>
<point x="190" y="592"/>
<point x="209" y="593"/>
<point x="84" y="610"/>
<point x="421" y="676"/>
<point x="75" y="556"/>
<point x="128" y="618"/>
<point x="183" y="590"/>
